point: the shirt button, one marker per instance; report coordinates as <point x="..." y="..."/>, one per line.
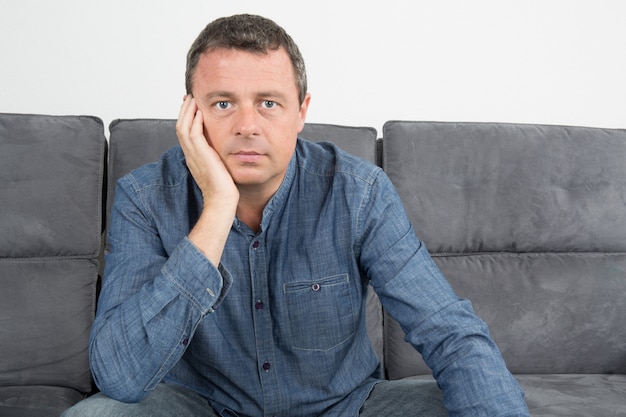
<point x="316" y="287"/>
<point x="259" y="305"/>
<point x="255" y="244"/>
<point x="266" y="366"/>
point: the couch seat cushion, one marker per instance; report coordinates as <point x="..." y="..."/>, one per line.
<point x="575" y="395"/>
<point x="36" y="401"/>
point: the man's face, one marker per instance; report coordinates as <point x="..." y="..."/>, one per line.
<point x="251" y="113"/>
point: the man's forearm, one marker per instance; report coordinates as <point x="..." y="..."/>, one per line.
<point x="137" y="338"/>
<point x="211" y="231"/>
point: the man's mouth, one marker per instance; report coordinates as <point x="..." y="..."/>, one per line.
<point x="247" y="157"/>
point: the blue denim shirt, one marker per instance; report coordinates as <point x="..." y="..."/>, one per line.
<point x="278" y="328"/>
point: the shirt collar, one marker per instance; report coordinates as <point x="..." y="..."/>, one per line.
<point x="280" y="196"/>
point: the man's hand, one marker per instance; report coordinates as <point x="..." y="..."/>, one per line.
<point x="202" y="160"/>
<point x="219" y="192"/>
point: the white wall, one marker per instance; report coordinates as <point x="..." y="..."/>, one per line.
<point x="529" y="61"/>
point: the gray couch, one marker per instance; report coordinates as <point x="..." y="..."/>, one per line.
<point x="527" y="221"/>
<point x="51" y="178"/>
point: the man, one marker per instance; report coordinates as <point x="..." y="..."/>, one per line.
<point x="237" y="270"/>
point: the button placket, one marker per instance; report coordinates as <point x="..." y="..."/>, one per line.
<point x="261" y="318"/>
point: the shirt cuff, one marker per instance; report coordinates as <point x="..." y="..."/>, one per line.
<point x="196" y="277"/>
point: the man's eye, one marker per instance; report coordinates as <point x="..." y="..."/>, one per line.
<point x="268" y="104"/>
<point x="222" y="105"/>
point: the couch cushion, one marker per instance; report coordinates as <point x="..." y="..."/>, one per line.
<point x="51" y="187"/>
<point x="528" y="222"/>
<point x="575" y="395"/>
<point x="359" y="141"/>
<point x="545" y="312"/>
<point x="36" y="401"/>
<point x="510" y="188"/>
<point x="571" y="395"/>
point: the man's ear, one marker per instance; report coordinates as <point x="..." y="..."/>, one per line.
<point x="304" y="108"/>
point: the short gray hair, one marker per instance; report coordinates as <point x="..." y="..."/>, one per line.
<point x="249" y="33"/>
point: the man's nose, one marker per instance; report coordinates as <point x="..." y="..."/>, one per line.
<point x="247" y="122"/>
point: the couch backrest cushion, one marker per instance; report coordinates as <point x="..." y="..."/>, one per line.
<point x="359" y="141"/>
<point x="139" y="141"/>
<point x="135" y="142"/>
<point x="51" y="186"/>
<point x="528" y="222"/>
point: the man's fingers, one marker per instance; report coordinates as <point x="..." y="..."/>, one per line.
<point x="185" y="119"/>
<point x="197" y="127"/>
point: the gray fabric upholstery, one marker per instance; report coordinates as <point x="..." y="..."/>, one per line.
<point x="51" y="187"/>
<point x="529" y="223"/>
<point x="575" y="395"/>
<point x="135" y="142"/>
<point x="359" y="141"/>
<point x="36" y="401"/>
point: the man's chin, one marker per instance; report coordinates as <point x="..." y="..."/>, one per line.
<point x="258" y="182"/>
<point x="249" y="180"/>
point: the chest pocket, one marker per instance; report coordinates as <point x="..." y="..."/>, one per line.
<point x="321" y="312"/>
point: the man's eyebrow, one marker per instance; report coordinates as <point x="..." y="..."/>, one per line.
<point x="271" y="94"/>
<point x="261" y="94"/>
<point x="220" y="94"/>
